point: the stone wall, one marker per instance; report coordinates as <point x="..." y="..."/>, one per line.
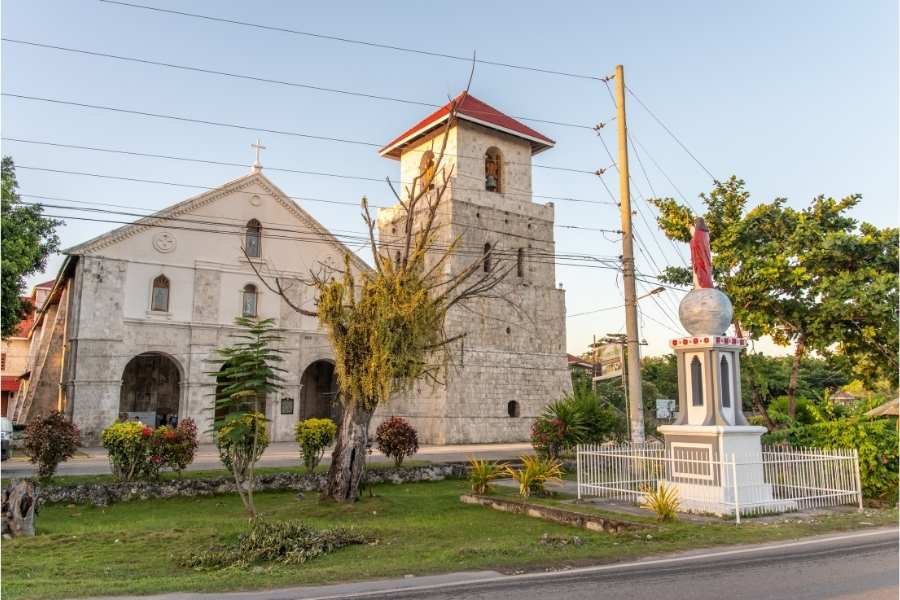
<point x="104" y="494"/>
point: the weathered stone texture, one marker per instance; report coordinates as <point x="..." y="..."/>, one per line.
<point x="514" y="346"/>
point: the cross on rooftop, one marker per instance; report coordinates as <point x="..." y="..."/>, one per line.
<point x="257" y="166"/>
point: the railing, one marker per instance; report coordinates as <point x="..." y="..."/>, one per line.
<point x="778" y="479"/>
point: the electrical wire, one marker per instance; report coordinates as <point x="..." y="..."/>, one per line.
<point x="467" y="59"/>
<point x="284" y="132"/>
<point x="308" y="86"/>
<point x="276" y="169"/>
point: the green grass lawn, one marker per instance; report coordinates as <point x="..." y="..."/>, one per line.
<point x="131" y="548"/>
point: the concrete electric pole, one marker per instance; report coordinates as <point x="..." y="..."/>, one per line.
<point x="632" y="341"/>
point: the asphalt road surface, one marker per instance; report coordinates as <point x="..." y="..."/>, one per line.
<point x="857" y="571"/>
<point x="93" y="461"/>
<point x="846" y="566"/>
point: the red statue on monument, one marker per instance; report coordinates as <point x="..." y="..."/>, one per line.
<point x="701" y="257"/>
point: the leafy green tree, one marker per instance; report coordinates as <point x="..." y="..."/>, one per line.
<point x="248" y="374"/>
<point x="28" y="239"/>
<point x="662" y="372"/>
<point x="811" y="277"/>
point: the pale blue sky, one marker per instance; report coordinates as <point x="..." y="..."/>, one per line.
<point x="798" y="98"/>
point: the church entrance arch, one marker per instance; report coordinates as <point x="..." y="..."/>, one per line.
<point x="151" y="389"/>
<point x="318" y="392"/>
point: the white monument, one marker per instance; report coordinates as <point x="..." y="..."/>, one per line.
<point x="711" y="445"/>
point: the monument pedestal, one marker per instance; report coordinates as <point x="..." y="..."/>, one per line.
<point x="704" y="462"/>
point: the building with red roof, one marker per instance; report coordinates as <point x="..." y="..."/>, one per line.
<point x="512" y="345"/>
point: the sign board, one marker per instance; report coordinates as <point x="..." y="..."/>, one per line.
<point x="665" y="408"/>
<point x="609" y="357"/>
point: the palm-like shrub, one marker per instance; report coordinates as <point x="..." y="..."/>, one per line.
<point x="313" y="436"/>
<point x="483" y="472"/>
<point x="576" y="419"/>
<point x="663" y="501"/>
<point x="534" y="473"/>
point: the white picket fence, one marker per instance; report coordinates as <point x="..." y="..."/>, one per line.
<point x="778" y="479"/>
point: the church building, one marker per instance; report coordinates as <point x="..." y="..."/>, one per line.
<point x="134" y="316"/>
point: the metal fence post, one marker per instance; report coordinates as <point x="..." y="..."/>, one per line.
<point x="734" y="483"/>
<point x="856" y="475"/>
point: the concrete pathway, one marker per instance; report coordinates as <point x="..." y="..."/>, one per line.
<point x="94" y="461"/>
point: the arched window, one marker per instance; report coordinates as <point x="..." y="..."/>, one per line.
<point x="493" y="167"/>
<point x="486" y="261"/>
<point x="725" y="377"/>
<point x="520" y="262"/>
<point x="252" y="238"/>
<point x="159" y="299"/>
<point x="512" y="408"/>
<point x="249" y="300"/>
<point x="696" y="383"/>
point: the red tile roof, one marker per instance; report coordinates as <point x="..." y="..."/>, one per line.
<point x="469" y="108"/>
<point x="9" y="383"/>
<point x="46" y="285"/>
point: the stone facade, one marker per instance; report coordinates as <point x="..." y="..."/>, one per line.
<point x="106" y="285"/>
<point x="511" y="361"/>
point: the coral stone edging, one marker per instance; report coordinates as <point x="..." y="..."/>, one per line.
<point x="104" y="494"/>
<point x="550" y="513"/>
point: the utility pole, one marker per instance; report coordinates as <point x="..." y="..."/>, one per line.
<point x="632" y="342"/>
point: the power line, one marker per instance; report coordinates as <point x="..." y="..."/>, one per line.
<point x="208" y="188"/>
<point x="276" y="169"/>
<point x="311" y="235"/>
<point x="308" y="86"/>
<point x="535" y="257"/>
<point x="467" y="59"/>
<point x="669" y="131"/>
<point x="310" y="136"/>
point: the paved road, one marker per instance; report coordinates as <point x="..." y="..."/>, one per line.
<point x="93" y="461"/>
<point x="849" y="566"/>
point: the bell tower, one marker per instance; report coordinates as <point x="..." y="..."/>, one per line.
<point x="511" y="359"/>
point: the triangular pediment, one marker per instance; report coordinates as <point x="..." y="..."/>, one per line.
<point x="176" y="216"/>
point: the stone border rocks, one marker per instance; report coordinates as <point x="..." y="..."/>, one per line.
<point x="549" y="513"/>
<point x="104" y="494"/>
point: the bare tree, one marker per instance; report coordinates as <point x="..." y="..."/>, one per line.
<point x="387" y="323"/>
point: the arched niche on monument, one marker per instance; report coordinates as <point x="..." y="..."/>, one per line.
<point x="696" y="392"/>
<point x="727" y="398"/>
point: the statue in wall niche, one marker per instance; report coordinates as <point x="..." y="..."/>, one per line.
<point x="701" y="256"/>
<point x="426" y="169"/>
<point x="491" y="172"/>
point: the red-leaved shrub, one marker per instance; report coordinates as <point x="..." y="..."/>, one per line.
<point x="49" y="441"/>
<point x="397" y="439"/>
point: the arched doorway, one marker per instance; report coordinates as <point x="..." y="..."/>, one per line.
<point x="151" y="388"/>
<point x="318" y="392"/>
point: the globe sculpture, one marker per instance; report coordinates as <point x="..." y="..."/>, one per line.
<point x="705" y="311"/>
